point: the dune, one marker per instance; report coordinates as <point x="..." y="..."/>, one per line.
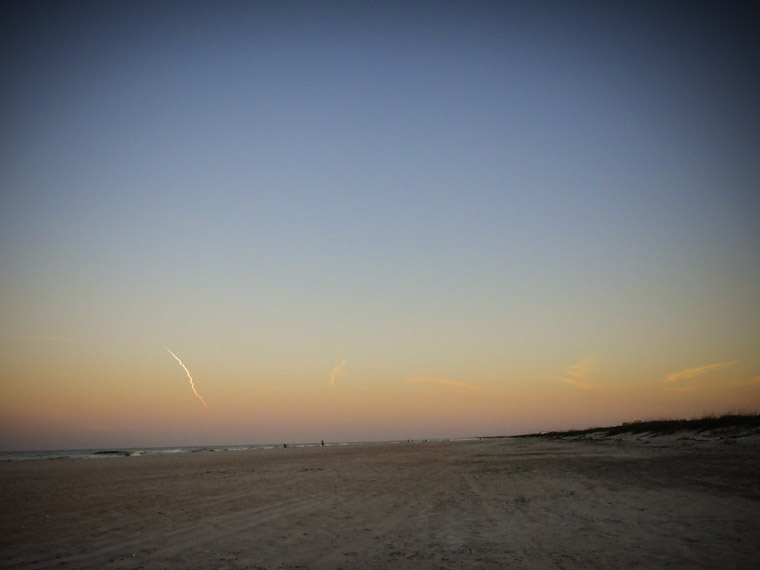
<point x="496" y="503"/>
<point x="709" y="429"/>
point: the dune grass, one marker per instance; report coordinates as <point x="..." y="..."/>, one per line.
<point x="709" y="422"/>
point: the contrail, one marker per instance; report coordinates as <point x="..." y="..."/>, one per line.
<point x="192" y="384"/>
<point x="336" y="369"/>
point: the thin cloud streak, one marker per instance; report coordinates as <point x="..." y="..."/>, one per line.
<point x="692" y="372"/>
<point x="190" y="378"/>
<point x="579" y="374"/>
<point x="336" y="370"/>
<point x="439" y="381"/>
<point x="574" y="382"/>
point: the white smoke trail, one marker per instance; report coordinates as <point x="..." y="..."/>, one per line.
<point x="192" y="384"/>
<point x="336" y="369"/>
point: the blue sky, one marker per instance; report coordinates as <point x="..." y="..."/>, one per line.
<point x="484" y="193"/>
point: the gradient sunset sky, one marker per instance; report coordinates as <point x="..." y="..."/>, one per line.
<point x="367" y="221"/>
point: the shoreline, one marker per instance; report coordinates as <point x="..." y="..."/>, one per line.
<point x="103" y="453"/>
<point x="728" y="428"/>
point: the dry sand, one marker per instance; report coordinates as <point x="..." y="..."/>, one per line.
<point x="501" y="503"/>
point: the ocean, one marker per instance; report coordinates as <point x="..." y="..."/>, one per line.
<point x="141" y="451"/>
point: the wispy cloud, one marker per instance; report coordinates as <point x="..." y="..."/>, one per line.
<point x="336" y="370"/>
<point x="692" y="372"/>
<point x="582" y="384"/>
<point x="439" y="381"/>
<point x="580" y="374"/>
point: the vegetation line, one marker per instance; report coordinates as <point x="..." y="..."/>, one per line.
<point x="665" y="427"/>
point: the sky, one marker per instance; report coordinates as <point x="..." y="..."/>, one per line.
<point x="260" y="222"/>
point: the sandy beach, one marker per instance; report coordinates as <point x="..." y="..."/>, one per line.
<point x="497" y="503"/>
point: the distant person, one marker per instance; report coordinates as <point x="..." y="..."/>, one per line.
<point x="323" y="443"/>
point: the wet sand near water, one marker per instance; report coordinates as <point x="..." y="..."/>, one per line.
<point x="498" y="503"/>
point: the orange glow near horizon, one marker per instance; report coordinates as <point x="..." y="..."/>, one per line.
<point x="136" y="409"/>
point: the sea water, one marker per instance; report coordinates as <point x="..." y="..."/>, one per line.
<point x="120" y="452"/>
<point x="105" y="453"/>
